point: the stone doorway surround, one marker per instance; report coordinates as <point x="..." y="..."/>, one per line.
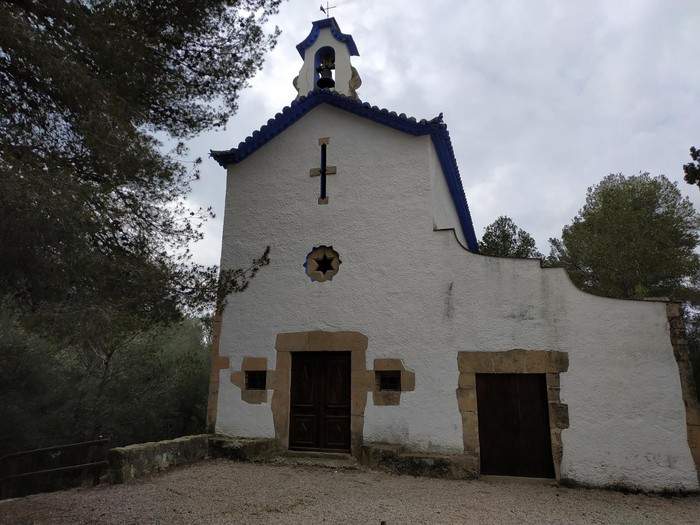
<point x="362" y="380"/>
<point x="318" y="341"/>
<point x="550" y="363"/>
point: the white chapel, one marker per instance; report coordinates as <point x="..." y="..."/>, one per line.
<point x="378" y="330"/>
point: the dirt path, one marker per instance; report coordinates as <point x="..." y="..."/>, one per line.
<point x="222" y="491"/>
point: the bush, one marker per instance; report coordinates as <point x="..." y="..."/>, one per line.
<point x="154" y="387"/>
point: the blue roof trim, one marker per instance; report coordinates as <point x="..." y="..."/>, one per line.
<point x="436" y="128"/>
<point x="335" y="31"/>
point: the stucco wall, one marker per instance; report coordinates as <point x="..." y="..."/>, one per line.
<point x="419" y="296"/>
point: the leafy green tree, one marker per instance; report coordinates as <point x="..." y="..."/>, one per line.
<point x="503" y="238"/>
<point x="95" y="334"/>
<point x="33" y="388"/>
<point x="634" y="237"/>
<point x="92" y="212"/>
<point x="151" y="386"/>
<point x="692" y="169"/>
<point x="156" y="387"/>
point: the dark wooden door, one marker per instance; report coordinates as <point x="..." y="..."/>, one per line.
<point x="320" y="401"/>
<point x="514" y="425"/>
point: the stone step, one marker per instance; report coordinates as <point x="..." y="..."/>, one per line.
<point x="315" y="454"/>
<point x="329" y="460"/>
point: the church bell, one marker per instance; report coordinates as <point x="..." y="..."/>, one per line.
<point x="325" y="71"/>
<point x="326" y="78"/>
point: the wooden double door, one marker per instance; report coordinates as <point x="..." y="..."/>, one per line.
<point x="514" y="437"/>
<point x="320" y="401"/>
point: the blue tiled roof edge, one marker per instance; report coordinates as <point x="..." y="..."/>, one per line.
<point x="436" y="128"/>
<point x="335" y="31"/>
<point x="448" y="162"/>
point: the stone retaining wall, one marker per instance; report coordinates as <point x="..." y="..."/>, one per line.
<point x="143" y="459"/>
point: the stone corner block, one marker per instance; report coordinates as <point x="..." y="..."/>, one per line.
<point x="559" y="414"/>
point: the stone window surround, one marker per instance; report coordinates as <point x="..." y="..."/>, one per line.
<point x="550" y="363"/>
<point x="362" y="380"/>
<point x="251" y="364"/>
<point x="391" y="397"/>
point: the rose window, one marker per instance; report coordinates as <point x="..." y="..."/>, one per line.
<point x="322" y="263"/>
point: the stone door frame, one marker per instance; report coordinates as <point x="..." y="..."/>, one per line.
<point x="550" y="363"/>
<point x="361" y="379"/>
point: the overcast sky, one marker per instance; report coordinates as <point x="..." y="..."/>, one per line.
<point x="542" y="98"/>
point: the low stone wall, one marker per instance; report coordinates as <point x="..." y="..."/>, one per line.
<point x="136" y="461"/>
<point x="143" y="459"/>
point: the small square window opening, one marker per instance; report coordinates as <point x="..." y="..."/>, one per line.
<point x="389" y="380"/>
<point x="256" y="379"/>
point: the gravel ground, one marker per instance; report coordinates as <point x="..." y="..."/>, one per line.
<point x="222" y="491"/>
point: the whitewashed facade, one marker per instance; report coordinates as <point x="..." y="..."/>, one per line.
<point x="410" y="282"/>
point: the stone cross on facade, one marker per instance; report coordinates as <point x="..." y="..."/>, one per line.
<point x="323" y="171"/>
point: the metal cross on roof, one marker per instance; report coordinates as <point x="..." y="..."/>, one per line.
<point x="327" y="9"/>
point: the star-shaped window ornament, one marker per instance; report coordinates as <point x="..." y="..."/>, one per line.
<point x="322" y="263"/>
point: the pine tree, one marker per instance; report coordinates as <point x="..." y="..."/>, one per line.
<point x="92" y="211"/>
